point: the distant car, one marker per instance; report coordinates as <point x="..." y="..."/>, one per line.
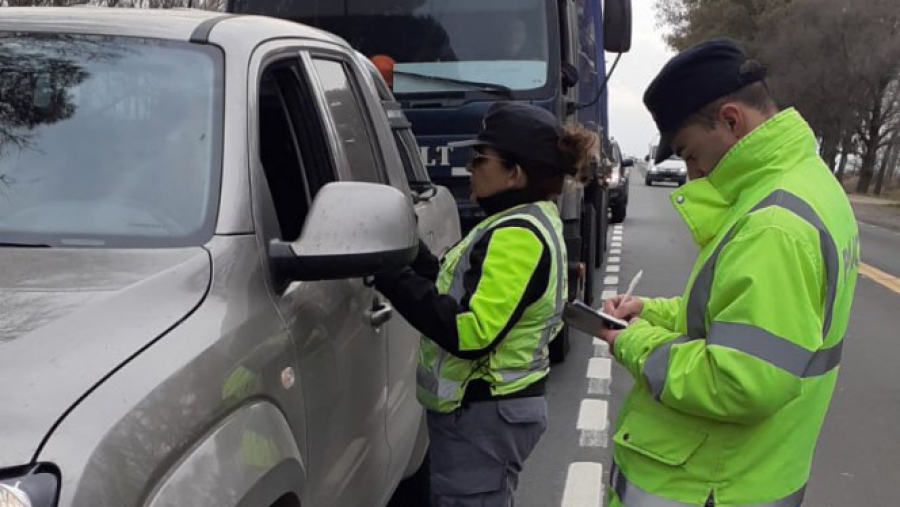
<point x="671" y="169"/>
<point x="618" y="184"/>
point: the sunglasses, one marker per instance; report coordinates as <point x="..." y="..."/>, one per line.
<point x="479" y="159"/>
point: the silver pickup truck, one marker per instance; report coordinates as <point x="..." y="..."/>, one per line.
<point x="191" y="207"/>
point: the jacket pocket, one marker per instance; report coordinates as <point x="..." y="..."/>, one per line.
<point x="662" y="440"/>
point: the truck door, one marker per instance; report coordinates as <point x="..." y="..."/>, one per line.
<point x="307" y="118"/>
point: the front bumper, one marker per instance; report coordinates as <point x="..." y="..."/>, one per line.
<point x="667" y="176"/>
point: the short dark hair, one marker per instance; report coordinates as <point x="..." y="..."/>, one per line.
<point x="756" y="95"/>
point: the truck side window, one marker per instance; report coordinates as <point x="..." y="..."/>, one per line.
<point x="350" y="119"/>
<point x="293" y="152"/>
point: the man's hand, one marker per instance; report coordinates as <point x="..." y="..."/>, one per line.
<point x="610" y="307"/>
<point x="624" y="308"/>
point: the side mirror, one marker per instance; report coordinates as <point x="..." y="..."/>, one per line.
<point x="569" y="75"/>
<point x="646" y="158"/>
<point x="628" y="162"/>
<point x="617" y="25"/>
<point x="352" y="230"/>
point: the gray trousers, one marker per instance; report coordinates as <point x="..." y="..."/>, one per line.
<point x="477" y="452"/>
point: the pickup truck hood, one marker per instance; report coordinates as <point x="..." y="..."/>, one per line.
<point x="69" y="317"/>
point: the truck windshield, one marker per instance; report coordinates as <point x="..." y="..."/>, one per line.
<point x="464" y="44"/>
<point x="108" y="141"/>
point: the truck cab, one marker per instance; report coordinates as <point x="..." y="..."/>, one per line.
<point x="449" y="60"/>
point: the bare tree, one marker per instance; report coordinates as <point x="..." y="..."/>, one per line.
<point x="691" y="21"/>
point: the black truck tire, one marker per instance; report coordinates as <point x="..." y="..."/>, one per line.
<point x="602" y="226"/>
<point x="414" y="491"/>
<point x="619" y="209"/>
<point x="559" y="346"/>
<point x="590" y="255"/>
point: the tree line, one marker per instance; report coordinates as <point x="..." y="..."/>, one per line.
<point x="836" y="61"/>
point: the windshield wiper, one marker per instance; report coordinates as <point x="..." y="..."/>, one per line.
<point x="23" y="244"/>
<point x="494" y="88"/>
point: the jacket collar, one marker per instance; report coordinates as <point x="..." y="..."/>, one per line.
<point x="754" y="161"/>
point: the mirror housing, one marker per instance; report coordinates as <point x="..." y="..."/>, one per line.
<point x="352" y="230"/>
<point x="617" y="26"/>
<point x="570" y="75"/>
<point x="628" y="162"/>
<point x="646" y="158"/>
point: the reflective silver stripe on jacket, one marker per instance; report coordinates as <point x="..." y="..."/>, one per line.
<point x="631" y="495"/>
<point x="540" y="361"/>
<point x="700" y="291"/>
<point x="749" y="339"/>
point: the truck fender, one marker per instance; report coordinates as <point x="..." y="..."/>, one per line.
<point x="249" y="459"/>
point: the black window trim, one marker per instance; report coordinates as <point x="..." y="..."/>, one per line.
<point x="308" y="57"/>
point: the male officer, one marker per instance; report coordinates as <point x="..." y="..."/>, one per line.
<point x="733" y="379"/>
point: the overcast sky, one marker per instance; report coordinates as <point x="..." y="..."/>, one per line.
<point x="630" y="123"/>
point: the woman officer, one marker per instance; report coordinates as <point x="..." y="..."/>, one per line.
<point x="489" y="308"/>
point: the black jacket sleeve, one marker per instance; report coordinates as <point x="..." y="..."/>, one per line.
<point x="415" y="296"/>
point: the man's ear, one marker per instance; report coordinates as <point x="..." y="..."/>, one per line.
<point x="735" y="119"/>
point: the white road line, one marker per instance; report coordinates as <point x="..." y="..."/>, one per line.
<point x="599" y="367"/>
<point x="611" y="280"/>
<point x="612" y="268"/>
<point x="593" y="422"/>
<point x="615" y="251"/>
<point x="606" y="294"/>
<point x="616" y="244"/>
<point x="615" y="260"/>
<point x="584" y="485"/>
<point x="599" y="374"/>
<point x="601" y="349"/>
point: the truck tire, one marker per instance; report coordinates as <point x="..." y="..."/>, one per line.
<point x="602" y="226"/>
<point x="619" y="210"/>
<point x="559" y="346"/>
<point x="589" y="256"/>
<point x="414" y="491"/>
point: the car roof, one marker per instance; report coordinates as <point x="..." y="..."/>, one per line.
<point x="173" y="24"/>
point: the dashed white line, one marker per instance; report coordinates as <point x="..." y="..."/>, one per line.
<point x="616" y="244"/>
<point x="606" y="294"/>
<point x="601" y="348"/>
<point x="593" y="422"/>
<point x="599" y="375"/>
<point x="612" y="260"/>
<point x="615" y="251"/>
<point x="611" y="280"/>
<point x="612" y="268"/>
<point x="584" y="485"/>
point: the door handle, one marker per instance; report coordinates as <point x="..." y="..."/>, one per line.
<point x="380" y="314"/>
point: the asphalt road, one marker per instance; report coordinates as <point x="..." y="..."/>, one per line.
<point x="858" y="458"/>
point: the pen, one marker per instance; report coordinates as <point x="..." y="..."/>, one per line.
<point x="632" y="285"/>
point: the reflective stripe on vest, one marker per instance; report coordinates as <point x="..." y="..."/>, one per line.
<point x="431" y="379"/>
<point x="631" y="495"/>
<point x="749" y="339"/>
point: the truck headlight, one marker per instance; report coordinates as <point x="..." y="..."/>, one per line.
<point x="32" y="487"/>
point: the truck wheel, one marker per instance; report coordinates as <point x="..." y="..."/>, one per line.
<point x="414" y="491"/>
<point x="648" y="182"/>
<point x="618" y="212"/>
<point x="590" y="255"/>
<point x="559" y="347"/>
<point x="602" y="227"/>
